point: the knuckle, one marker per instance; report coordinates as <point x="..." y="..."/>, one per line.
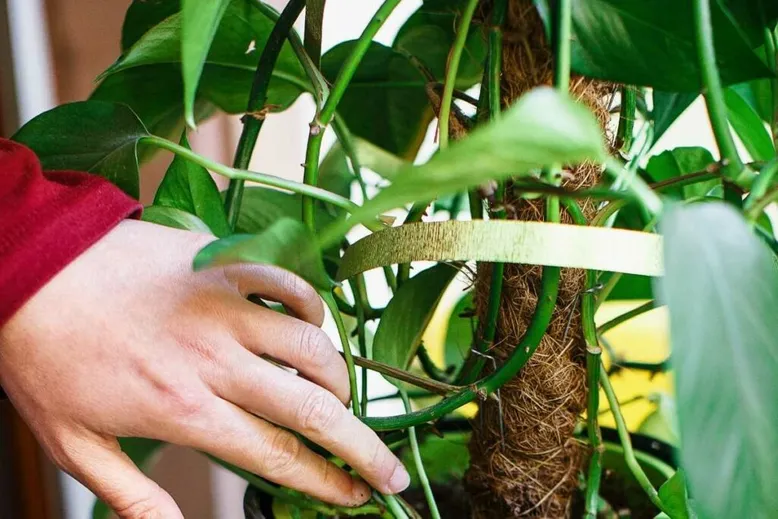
<point x="183" y="403"/>
<point x="318" y="412"/>
<point x="312" y="344"/>
<point x="141" y="508"/>
<point x="283" y="453"/>
<point x="62" y="452"/>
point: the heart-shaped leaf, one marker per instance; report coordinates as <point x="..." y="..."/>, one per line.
<point x="461" y="330"/>
<point x="287" y="244"/>
<point x="229" y="67"/>
<point x="651" y="43"/>
<point x="92" y="136"/>
<point x="525" y="139"/>
<point x="189" y="187"/>
<point x="668" y="106"/>
<point x="199" y="21"/>
<point x="407" y="315"/>
<point x="721" y="289"/>
<point x="683" y="161"/>
<point x="385" y="102"/>
<point x="675" y="497"/>
<point x="429" y="34"/>
<point x="175" y="218"/>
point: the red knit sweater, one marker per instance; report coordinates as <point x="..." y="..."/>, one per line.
<point x="46" y="220"/>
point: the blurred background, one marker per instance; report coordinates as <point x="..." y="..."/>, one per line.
<point x="51" y="51"/>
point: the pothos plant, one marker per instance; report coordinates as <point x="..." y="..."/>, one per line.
<point x="535" y="166"/>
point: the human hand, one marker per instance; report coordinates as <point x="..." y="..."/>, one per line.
<point x="127" y="341"/>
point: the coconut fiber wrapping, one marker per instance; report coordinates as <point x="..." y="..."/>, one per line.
<point x="532" y="471"/>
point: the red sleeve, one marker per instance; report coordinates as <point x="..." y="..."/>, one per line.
<point x="47" y="220"/>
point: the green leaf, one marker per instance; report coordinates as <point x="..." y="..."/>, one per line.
<point x="524" y="140"/>
<point x="385" y="102"/>
<point x="229" y="67"/>
<point x="675" y="497"/>
<point x="445" y="459"/>
<point x="287" y="244"/>
<point x="668" y="106"/>
<point x="142" y="16"/>
<point x="175" y="218"/>
<point x="407" y="315"/>
<point x="683" y="161"/>
<point x="652" y="44"/>
<point x="749" y="126"/>
<point x="662" y="423"/>
<point x="92" y="136"/>
<point x="752" y="16"/>
<point x="459" y="336"/>
<point x="429" y="34"/>
<point x="759" y="95"/>
<point x="189" y="187"/>
<point x="262" y="207"/>
<point x="199" y="21"/>
<point x="721" y="288"/>
<point x="154" y="94"/>
<point x="142" y="452"/>
<point x="335" y="173"/>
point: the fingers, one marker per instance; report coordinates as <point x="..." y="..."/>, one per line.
<point x="100" y="465"/>
<point x="317" y="414"/>
<point x="278" y="285"/>
<point x="277" y="455"/>
<point x="300" y="345"/>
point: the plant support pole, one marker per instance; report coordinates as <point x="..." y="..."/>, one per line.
<point x="255" y="114"/>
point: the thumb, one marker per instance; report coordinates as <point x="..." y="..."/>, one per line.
<point x="103" y="468"/>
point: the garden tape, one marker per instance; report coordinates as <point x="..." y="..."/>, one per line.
<point x="505" y="241"/>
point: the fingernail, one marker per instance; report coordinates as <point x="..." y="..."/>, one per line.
<point x="399" y="480"/>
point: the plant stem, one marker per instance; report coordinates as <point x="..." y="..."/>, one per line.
<point x="425" y="482"/>
<point x="713" y="90"/>
<point x="626" y="443"/>
<point x="593" y="353"/>
<point x="260" y="178"/>
<point x="429" y="366"/>
<point x="640" y="190"/>
<point x="760" y="205"/>
<point x="452" y="70"/>
<point x="358" y="285"/>
<point x="431" y="385"/>
<point x="396" y="509"/>
<point x="626" y="118"/>
<point x="347" y="142"/>
<point x="255" y="118"/>
<point x="326" y="114"/>
<point x="301" y="500"/>
<point x="329" y="300"/>
<point x="762" y="183"/>
<point x="626" y="317"/>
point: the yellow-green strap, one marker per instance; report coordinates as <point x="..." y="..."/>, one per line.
<point x="534" y="243"/>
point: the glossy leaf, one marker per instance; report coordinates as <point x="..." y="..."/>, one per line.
<point x="199" y="21"/>
<point x="154" y="94"/>
<point x="522" y="141"/>
<point x="721" y="288"/>
<point x="682" y="161"/>
<point x="287" y="244"/>
<point x="262" y="207"/>
<point x="335" y="173"/>
<point x="175" y="218"/>
<point x="749" y="127"/>
<point x="662" y="423"/>
<point x="229" y="67"/>
<point x="189" y="187"/>
<point x="142" y="16"/>
<point x="142" y="452"/>
<point x="92" y="136"/>
<point x="459" y="335"/>
<point x="675" y="497"/>
<point x="429" y="34"/>
<point x="668" y="106"/>
<point x="652" y="44"/>
<point x="759" y="95"/>
<point x="752" y="16"/>
<point x="407" y="315"/>
<point x="386" y="102"/>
